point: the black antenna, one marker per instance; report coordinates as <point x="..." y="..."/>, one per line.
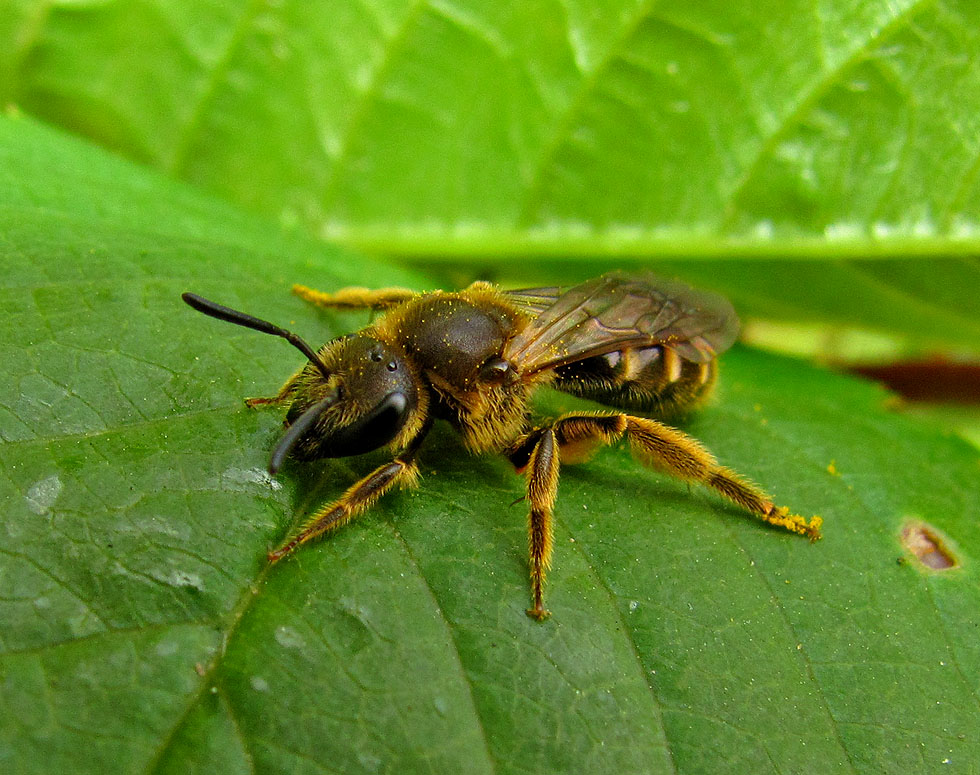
<point x="241" y="319"/>
<point x="298" y="428"/>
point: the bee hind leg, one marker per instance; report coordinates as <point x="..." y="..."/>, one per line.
<point x="680" y="455"/>
<point x="673" y="452"/>
<point x="573" y="437"/>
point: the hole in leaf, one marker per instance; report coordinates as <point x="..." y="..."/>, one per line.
<point x="927" y="546"/>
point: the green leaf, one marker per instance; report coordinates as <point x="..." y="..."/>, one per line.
<point x="487" y="128"/>
<point x="143" y="630"/>
<point x="609" y="133"/>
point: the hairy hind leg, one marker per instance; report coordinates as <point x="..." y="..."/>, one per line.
<point x="680" y="455"/>
<point x="355" y="297"/>
<point x="574" y="437"/>
<point x="674" y="452"/>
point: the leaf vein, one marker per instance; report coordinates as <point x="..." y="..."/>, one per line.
<point x="534" y="189"/>
<point x="628" y="635"/>
<point x="464" y="676"/>
<point x="370" y="94"/>
<point x="807" y="98"/>
<point x="192" y="127"/>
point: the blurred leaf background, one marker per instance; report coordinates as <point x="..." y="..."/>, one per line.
<point x="817" y="163"/>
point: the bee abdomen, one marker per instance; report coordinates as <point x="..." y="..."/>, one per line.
<point x="654" y="380"/>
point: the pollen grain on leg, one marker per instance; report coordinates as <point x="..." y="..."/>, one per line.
<point x="794" y="523"/>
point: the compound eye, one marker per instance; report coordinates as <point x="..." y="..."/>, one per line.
<point x="372" y="430"/>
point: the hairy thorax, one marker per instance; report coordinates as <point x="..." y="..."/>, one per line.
<point x="456" y="340"/>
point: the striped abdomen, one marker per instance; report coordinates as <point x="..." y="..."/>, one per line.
<point x="655" y="380"/>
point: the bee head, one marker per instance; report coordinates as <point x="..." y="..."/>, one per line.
<point x="353" y="396"/>
<point x="357" y="398"/>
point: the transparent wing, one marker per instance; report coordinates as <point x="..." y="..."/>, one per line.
<point x="616" y="311"/>
<point x="534" y="301"/>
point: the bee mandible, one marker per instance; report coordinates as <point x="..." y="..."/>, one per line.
<point x="475" y="357"/>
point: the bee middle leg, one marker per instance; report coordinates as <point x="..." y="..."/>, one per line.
<point x="538" y="454"/>
<point x="402" y="471"/>
<point x="355" y="297"/>
<point x="542" y="487"/>
<point x="285" y="393"/>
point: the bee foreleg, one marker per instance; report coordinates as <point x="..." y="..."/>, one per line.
<point x="355" y="297"/>
<point x="358" y="498"/>
<point x="542" y="487"/>
<point x="285" y="393"/>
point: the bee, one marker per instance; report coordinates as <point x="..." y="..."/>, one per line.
<point x="474" y="358"/>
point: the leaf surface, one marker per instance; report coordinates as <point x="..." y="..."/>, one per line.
<point x="608" y="133"/>
<point x="143" y="626"/>
<point x="474" y="128"/>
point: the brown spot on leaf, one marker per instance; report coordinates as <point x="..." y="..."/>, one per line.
<point x="927" y="546"/>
